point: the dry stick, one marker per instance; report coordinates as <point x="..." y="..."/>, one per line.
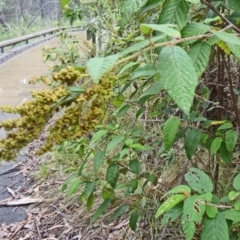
<point x="207" y="3"/>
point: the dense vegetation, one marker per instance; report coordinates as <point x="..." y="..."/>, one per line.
<point x="153" y="116"/>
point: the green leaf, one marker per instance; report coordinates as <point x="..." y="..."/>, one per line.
<point x="107" y="193"/>
<point x="232" y="214"/>
<point x="89" y="188"/>
<point x="132" y="186"/>
<point x="100" y="210"/>
<point x="114" y="142"/>
<point x="235" y="50"/>
<point x="98" y="66"/>
<point x="140" y="112"/>
<point x="170" y="130"/>
<point x="235" y="4"/>
<point x="169" y="204"/>
<point x="225" y="155"/>
<point x="154" y="89"/>
<point x="194" y="29"/>
<point x="211" y="211"/>
<point x="64" y="3"/>
<point x="172" y="215"/>
<point x="134" y="219"/>
<point x="199" y="181"/>
<point x="98" y="135"/>
<point x="144" y="71"/>
<point x="236" y="182"/>
<point x="164" y="28"/>
<point x="183" y="189"/>
<point x="216" y="143"/>
<point x="119" y="212"/>
<point x="225" y="126"/>
<point x="74" y="186"/>
<point x="231" y="139"/>
<point x="90" y="201"/>
<point x="192" y="141"/>
<point x="193" y="210"/>
<point x="178" y="76"/>
<point x="232" y="195"/>
<point x="194" y="1"/>
<point x="215" y="228"/>
<point x="123" y="110"/>
<point x="200" y="53"/>
<point x="98" y="160"/>
<point x="237" y="205"/>
<point x="174" y="11"/>
<point x="118" y="101"/>
<point x="227" y="37"/>
<point x="112" y="174"/>
<point x="135" y="166"/>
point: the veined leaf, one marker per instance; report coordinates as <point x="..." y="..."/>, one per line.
<point x="163" y="28"/>
<point x="135" y="166"/>
<point x="134" y="219"/>
<point x="193" y="209"/>
<point x="215" y="228"/>
<point x="235" y="49"/>
<point x="231" y="139"/>
<point x="98" y="66"/>
<point x="194" y="29"/>
<point x="89" y="188"/>
<point x="227" y="37"/>
<point x="235" y="4"/>
<point x="170" y="130"/>
<point x="183" y="189"/>
<point x="216" y="143"/>
<point x="232" y="214"/>
<point x="100" y="210"/>
<point x="119" y="212"/>
<point x="199" y="53"/>
<point x="74" y="186"/>
<point x="169" y="204"/>
<point x="192" y="141"/>
<point x="199" y="181"/>
<point x="98" y="135"/>
<point x="98" y="160"/>
<point x="114" y="142"/>
<point x="151" y="4"/>
<point x="236" y="182"/>
<point x="225" y="155"/>
<point x="225" y="126"/>
<point x="112" y="174"/>
<point x="211" y="211"/>
<point x="172" y="215"/>
<point x="178" y="76"/>
<point x="144" y="71"/>
<point x="174" y="11"/>
<point x="154" y="88"/>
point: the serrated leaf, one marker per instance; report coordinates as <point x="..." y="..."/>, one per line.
<point x="135" y="166"/>
<point x="225" y="155"/>
<point x="144" y="71"/>
<point x="231" y="139"/>
<point x="100" y="210"/>
<point x="98" y="135"/>
<point x="114" y="142"/>
<point x="215" y="228"/>
<point x="235" y="50"/>
<point x="170" y="130"/>
<point x="192" y="141"/>
<point x="183" y="189"/>
<point x="193" y="209"/>
<point x="134" y="219"/>
<point x="211" y="211"/>
<point x="232" y="214"/>
<point x="199" y="181"/>
<point x="167" y="29"/>
<point x="216" y="143"/>
<point x="169" y="204"/>
<point x="74" y="186"/>
<point x="174" y="11"/>
<point x="227" y="37"/>
<point x="225" y="126"/>
<point x="172" y="215"/>
<point x="200" y="53"/>
<point x="98" y="160"/>
<point x="132" y="186"/>
<point x="98" y="66"/>
<point x="154" y="89"/>
<point x="236" y="182"/>
<point x="178" y="76"/>
<point x="194" y="29"/>
<point x="112" y="175"/>
<point x="89" y="188"/>
<point x="119" y="212"/>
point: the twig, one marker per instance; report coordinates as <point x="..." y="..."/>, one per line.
<point x="39" y="234"/>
